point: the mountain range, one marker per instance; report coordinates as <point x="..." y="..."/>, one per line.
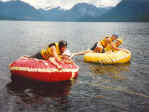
<point x="129" y="10"/>
<point x="18" y="10"/>
<point x="79" y="12"/>
<point x="126" y="10"/>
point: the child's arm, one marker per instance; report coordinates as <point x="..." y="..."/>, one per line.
<point x="53" y="61"/>
<point x="80" y="53"/>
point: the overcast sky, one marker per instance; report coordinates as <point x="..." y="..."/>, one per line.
<point x="67" y="4"/>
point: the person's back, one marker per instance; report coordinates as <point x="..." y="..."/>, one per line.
<point x="48" y="52"/>
<point x="52" y="52"/>
<point x="99" y="46"/>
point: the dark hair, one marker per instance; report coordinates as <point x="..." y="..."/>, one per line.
<point x="52" y="44"/>
<point x="115" y="35"/>
<point x="94" y="46"/>
<point x="106" y="37"/>
<point x="62" y="43"/>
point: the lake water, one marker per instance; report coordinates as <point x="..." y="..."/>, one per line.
<point x="98" y="88"/>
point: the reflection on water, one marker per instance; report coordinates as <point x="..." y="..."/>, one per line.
<point x="113" y="71"/>
<point x="119" y="89"/>
<point x="31" y="92"/>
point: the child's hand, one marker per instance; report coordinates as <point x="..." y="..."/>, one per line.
<point x="72" y="55"/>
<point x="68" y="61"/>
<point x="125" y="50"/>
<point x="59" y="67"/>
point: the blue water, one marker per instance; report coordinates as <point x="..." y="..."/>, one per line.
<point x="98" y="88"/>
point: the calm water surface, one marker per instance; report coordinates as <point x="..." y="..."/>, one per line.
<point x="98" y="88"/>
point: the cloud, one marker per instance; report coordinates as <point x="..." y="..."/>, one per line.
<point x="67" y="4"/>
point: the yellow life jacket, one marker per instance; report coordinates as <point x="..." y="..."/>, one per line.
<point x="101" y="43"/>
<point x="46" y="53"/>
<point x="58" y="49"/>
<point x="111" y="39"/>
<point x="108" y="48"/>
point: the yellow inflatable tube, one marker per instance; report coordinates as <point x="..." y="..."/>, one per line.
<point x="108" y="57"/>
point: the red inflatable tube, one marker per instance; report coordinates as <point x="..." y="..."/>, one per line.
<point x="43" y="70"/>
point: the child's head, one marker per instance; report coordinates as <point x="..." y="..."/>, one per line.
<point x="118" y="42"/>
<point x="107" y="40"/>
<point x="114" y="37"/>
<point x="62" y="45"/>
